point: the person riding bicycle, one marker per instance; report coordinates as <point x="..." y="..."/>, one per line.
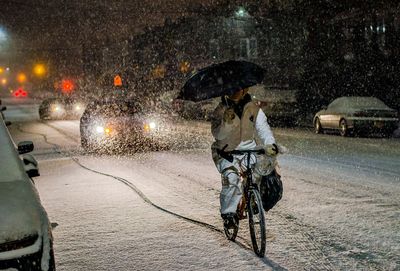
<point x="235" y="124"/>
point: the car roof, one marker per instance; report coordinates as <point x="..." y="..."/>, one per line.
<point x="96" y="104"/>
<point x="10" y="164"/>
<point x="359" y="102"/>
<point x="113" y="101"/>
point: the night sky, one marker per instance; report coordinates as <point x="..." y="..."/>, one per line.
<point x="40" y="23"/>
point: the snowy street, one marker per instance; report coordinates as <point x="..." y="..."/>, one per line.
<point x="160" y="210"/>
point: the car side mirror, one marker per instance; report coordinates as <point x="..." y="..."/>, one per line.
<point x="25" y="147"/>
<point x="324" y="107"/>
<point x="8" y="123"/>
<point x="3" y="108"/>
<point x="30" y="165"/>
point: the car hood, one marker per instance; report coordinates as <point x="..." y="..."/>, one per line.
<point x="20" y="210"/>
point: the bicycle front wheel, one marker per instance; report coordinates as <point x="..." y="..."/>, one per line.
<point x="256" y="222"/>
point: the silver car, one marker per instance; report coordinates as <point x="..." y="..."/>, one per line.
<point x="26" y="241"/>
<point x="356" y="114"/>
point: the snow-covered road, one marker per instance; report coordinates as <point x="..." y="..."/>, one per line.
<point x="340" y="209"/>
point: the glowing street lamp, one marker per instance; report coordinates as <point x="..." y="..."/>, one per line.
<point x="39" y="70"/>
<point x="21" y="77"/>
<point x="241" y="12"/>
<point x="1" y="70"/>
<point x="3" y="35"/>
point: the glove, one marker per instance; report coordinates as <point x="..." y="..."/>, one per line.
<point x="225" y="155"/>
<point x="229" y="115"/>
<point x="271" y="149"/>
<point x="282" y="149"/>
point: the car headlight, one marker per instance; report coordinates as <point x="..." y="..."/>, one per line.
<point x="78" y="107"/>
<point x="103" y="130"/>
<point x="100" y="129"/>
<point x="56" y="108"/>
<point x="150" y="126"/>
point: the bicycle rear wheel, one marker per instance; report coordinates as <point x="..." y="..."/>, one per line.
<point x="256" y="222"/>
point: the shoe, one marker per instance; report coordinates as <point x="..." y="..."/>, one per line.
<point x="230" y="220"/>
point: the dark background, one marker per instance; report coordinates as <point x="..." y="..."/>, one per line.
<point x="321" y="49"/>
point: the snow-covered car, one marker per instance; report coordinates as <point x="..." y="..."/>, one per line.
<point x="278" y="103"/>
<point x="109" y="124"/>
<point x="26" y="241"/>
<point x="61" y="108"/>
<point x="357" y="114"/>
<point x="195" y="110"/>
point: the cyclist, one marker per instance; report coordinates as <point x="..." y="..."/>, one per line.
<point x="235" y="124"/>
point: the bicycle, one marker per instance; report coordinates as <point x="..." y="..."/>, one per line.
<point x="251" y="204"/>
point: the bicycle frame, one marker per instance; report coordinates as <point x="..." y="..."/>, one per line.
<point x="245" y="208"/>
<point x="248" y="183"/>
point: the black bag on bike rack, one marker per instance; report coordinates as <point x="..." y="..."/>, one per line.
<point x="271" y="189"/>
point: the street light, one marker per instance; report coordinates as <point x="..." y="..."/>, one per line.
<point x="39" y="70"/>
<point x="21" y="77"/>
<point x="241" y="12"/>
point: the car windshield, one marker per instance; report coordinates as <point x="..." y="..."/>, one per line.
<point x="117" y="109"/>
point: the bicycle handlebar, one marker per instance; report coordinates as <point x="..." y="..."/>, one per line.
<point x="228" y="154"/>
<point x="239" y="152"/>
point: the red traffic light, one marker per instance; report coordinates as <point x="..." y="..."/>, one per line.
<point x="67" y="86"/>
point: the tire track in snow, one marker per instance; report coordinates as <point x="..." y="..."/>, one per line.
<point x="243" y="244"/>
<point x="300" y="240"/>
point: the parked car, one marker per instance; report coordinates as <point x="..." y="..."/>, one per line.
<point x="195" y="110"/>
<point x="111" y="123"/>
<point x="61" y="108"/>
<point x="356" y="114"/>
<point x="26" y="241"/>
<point x="278" y="103"/>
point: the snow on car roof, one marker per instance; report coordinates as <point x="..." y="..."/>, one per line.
<point x="358" y="102"/>
<point x="10" y="166"/>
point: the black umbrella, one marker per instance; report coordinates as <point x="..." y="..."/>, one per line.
<point x="221" y="79"/>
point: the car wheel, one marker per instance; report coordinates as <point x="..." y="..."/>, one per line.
<point x="344" y="131"/>
<point x="42" y="115"/>
<point x="85" y="144"/>
<point x="317" y="126"/>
